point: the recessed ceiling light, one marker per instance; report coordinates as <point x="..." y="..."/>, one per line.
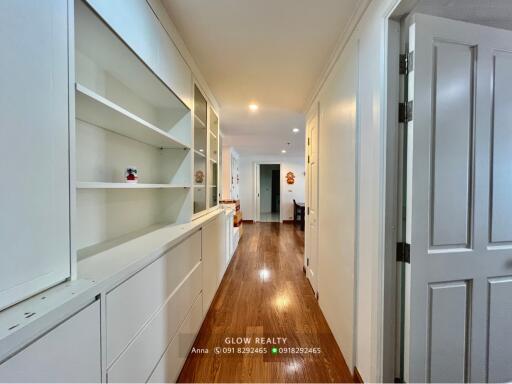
<point x="295" y="130"/>
<point x="201" y="150"/>
<point x="283" y="151"/>
<point x="253" y="107"/>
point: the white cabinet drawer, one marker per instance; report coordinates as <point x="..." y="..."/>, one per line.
<point x="130" y="305"/>
<point x="68" y="353"/>
<point x="142" y="355"/>
<point x="172" y="361"/>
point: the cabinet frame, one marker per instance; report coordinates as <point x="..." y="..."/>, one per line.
<point x="209" y="109"/>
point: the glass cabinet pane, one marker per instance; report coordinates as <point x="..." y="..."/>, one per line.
<point x="213" y="186"/>
<point x="200" y="151"/>
<point x="213" y="159"/>
<point x="200" y="113"/>
<point x="214" y="135"/>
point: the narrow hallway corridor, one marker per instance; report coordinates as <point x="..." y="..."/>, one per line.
<point x="265" y="295"/>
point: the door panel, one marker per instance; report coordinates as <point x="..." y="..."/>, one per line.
<point x="458" y="286"/>
<point x="448" y="330"/>
<point x="500" y="331"/>
<point x="451" y="148"/>
<point x="502" y="143"/>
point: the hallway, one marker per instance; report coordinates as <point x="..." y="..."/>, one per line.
<point x="265" y="294"/>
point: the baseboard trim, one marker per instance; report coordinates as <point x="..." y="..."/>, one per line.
<point x="288" y="221"/>
<point x="357" y="376"/>
<point x="248" y="221"/>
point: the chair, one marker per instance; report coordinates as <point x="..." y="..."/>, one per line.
<point x="297" y="212"/>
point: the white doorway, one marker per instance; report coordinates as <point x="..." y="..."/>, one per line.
<point x="268" y="192"/>
<point x="454" y="306"/>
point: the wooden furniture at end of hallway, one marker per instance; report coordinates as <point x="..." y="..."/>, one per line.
<point x="299" y="213"/>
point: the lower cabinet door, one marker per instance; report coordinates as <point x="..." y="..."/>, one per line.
<point x="172" y="361"/>
<point x="68" y="353"/>
<point x="142" y="355"/>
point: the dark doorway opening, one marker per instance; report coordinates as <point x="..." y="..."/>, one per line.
<point x="270" y="192"/>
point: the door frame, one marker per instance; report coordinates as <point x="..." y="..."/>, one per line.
<point x="389" y="304"/>
<point x="256" y="191"/>
<point x="313" y="112"/>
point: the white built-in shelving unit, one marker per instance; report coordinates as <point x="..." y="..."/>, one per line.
<point x="93" y="266"/>
<point x="126" y="116"/>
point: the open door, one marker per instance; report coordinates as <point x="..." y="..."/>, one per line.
<point x="458" y="290"/>
<point x="312" y="206"/>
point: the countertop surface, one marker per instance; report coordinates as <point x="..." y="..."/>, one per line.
<point x="97" y="274"/>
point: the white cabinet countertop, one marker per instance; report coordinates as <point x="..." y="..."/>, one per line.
<point x="97" y="274"/>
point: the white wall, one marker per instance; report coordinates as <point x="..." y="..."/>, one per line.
<point x="288" y="192"/>
<point x="336" y="194"/>
<point x="366" y="49"/>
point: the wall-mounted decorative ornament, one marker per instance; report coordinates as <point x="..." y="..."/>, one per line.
<point x="131" y="175"/>
<point x="290" y="178"/>
<point x="199" y="176"/>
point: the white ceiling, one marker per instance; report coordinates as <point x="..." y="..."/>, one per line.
<point x="493" y="13"/>
<point x="271" y="52"/>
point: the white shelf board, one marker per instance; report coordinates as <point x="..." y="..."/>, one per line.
<point x="101" y="185"/>
<point x="97" y="110"/>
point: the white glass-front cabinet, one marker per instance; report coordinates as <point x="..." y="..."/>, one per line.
<point x="206" y="154"/>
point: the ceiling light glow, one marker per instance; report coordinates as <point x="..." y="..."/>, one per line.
<point x="253" y="107"/>
<point x="283" y="151"/>
<point x="295" y="130"/>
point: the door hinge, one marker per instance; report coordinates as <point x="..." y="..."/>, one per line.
<point x="307" y="262"/>
<point x="406" y="64"/>
<point x="308" y="140"/>
<point x="308" y="210"/>
<point x="317" y="295"/>
<point x="403" y="252"/>
<point x="308" y="159"/>
<point x="403" y="64"/>
<point x="405" y="112"/>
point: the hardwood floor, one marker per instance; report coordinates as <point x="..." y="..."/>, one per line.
<point x="265" y="294"/>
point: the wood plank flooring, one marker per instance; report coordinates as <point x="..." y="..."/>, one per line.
<point x="265" y="294"/>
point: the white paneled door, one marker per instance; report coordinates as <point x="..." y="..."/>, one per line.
<point x="312" y="211"/>
<point x="458" y="319"/>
